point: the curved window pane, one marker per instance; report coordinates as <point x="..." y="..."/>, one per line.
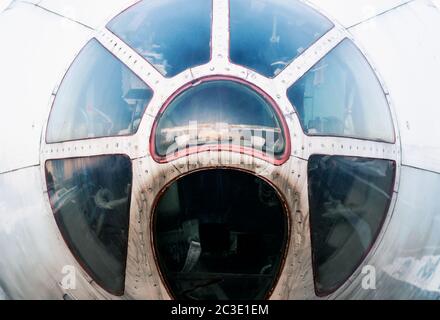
<point x="90" y="198"/>
<point x="219" y="113"/>
<point x="267" y="35"/>
<point x="172" y="35"/>
<point x="220" y="235"/>
<point x="341" y="96"/>
<point x="349" y="199"/>
<point x="99" y="97"/>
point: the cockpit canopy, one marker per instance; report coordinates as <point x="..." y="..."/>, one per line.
<point x="223" y="114"/>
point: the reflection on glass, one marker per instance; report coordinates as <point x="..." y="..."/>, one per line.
<point x="220" y="235"/>
<point x="267" y="35"/>
<point x="341" y="96"/>
<point x="90" y="198"/>
<point x="219" y="113"/>
<point x="172" y="35"/>
<point x="349" y="199"/>
<point x="99" y="97"/>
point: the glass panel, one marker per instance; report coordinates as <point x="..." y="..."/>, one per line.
<point x="99" y="97"/>
<point x="90" y="198"/>
<point x="341" y="96"/>
<point x="219" y="112"/>
<point x="349" y="199"/>
<point x="267" y="35"/>
<point x="172" y="35"/>
<point x="220" y="235"/>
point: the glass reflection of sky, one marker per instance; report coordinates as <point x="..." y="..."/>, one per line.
<point x="266" y="35"/>
<point x="172" y="35"/>
<point x="220" y="110"/>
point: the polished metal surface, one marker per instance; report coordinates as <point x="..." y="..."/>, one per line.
<point x="35" y="56"/>
<point x="414" y="94"/>
<point x="356" y="12"/>
<point x="407" y="260"/>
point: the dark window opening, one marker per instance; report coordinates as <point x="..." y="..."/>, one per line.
<point x="349" y="199"/>
<point x="90" y="198"/>
<point x="220" y="235"/>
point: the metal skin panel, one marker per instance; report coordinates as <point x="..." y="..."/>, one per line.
<point x="408" y="260"/>
<point x="415" y="93"/>
<point x="34" y="250"/>
<point x="3" y="295"/>
<point x="350" y="13"/>
<point x="4" y="4"/>
<point x="91" y="13"/>
<point x="33" y="57"/>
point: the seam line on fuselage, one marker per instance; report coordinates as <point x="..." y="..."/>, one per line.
<point x="421" y="169"/>
<point x="18" y="169"/>
<point x="380" y="14"/>
<point x="58" y="14"/>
